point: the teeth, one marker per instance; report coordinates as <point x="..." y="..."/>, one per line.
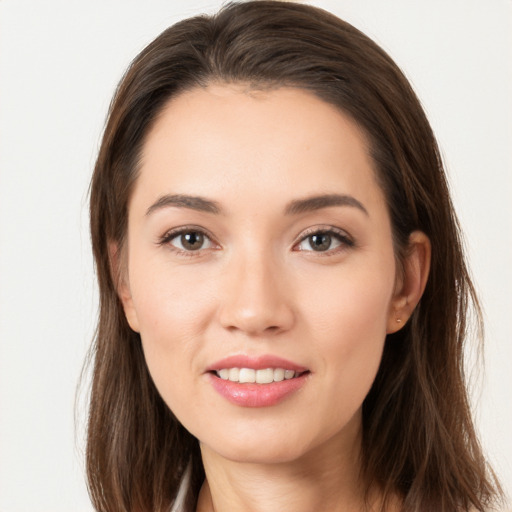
<point x="248" y="375"/>
<point x="265" y="376"/>
<point x="234" y="373"/>
<point x="278" y="375"/>
<point x="289" y="374"/>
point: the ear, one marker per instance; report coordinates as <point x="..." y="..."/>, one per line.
<point x="411" y="284"/>
<point x="119" y="271"/>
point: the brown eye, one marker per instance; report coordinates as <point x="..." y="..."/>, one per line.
<point x="320" y="242"/>
<point x="188" y="241"/>
<point x="324" y="241"/>
<point x="192" y="241"/>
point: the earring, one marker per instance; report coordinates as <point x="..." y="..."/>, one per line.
<point x="398" y="321"/>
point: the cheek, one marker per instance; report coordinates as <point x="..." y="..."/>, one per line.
<point x="172" y="311"/>
<point x="169" y="300"/>
<point x="347" y="315"/>
<point x="352" y="301"/>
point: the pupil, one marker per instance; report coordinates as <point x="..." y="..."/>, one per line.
<point x="192" y="241"/>
<point x="320" y="242"/>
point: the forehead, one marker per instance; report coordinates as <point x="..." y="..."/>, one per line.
<point x="226" y="139"/>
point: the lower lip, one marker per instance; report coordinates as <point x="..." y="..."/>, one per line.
<point x="257" y="395"/>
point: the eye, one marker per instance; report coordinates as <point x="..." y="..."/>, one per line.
<point x="324" y="241"/>
<point x="188" y="240"/>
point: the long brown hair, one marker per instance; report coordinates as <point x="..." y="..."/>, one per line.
<point x="418" y="438"/>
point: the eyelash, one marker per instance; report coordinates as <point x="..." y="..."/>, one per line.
<point x="168" y="237"/>
<point x="345" y="241"/>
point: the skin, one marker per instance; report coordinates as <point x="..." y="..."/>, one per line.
<point x="256" y="286"/>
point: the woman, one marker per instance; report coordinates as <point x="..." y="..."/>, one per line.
<point x="283" y="293"/>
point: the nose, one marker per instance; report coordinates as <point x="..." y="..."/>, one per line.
<point x="256" y="298"/>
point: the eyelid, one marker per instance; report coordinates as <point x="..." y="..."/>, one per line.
<point x="173" y="233"/>
<point x="346" y="239"/>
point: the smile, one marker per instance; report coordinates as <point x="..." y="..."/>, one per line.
<point x="251" y="376"/>
<point x="261" y="381"/>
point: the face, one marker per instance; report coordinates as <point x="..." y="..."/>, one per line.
<point x="259" y="239"/>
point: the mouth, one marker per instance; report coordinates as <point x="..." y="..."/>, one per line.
<point x="260" y="376"/>
<point x="261" y="381"/>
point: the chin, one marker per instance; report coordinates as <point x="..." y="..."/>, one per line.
<point x="261" y="444"/>
<point x="269" y="453"/>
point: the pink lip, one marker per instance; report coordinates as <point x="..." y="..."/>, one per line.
<point x="256" y="395"/>
<point x="256" y="363"/>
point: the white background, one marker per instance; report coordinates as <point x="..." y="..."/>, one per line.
<point x="59" y="64"/>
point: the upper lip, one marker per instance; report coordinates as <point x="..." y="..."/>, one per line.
<point x="256" y="363"/>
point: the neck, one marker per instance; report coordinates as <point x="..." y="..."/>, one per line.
<point x="325" y="478"/>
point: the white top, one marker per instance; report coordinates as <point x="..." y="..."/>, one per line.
<point x="178" y="505"/>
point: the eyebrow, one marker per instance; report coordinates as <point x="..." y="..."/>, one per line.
<point x="313" y="203"/>
<point x="295" y="207"/>
<point x="184" y="201"/>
